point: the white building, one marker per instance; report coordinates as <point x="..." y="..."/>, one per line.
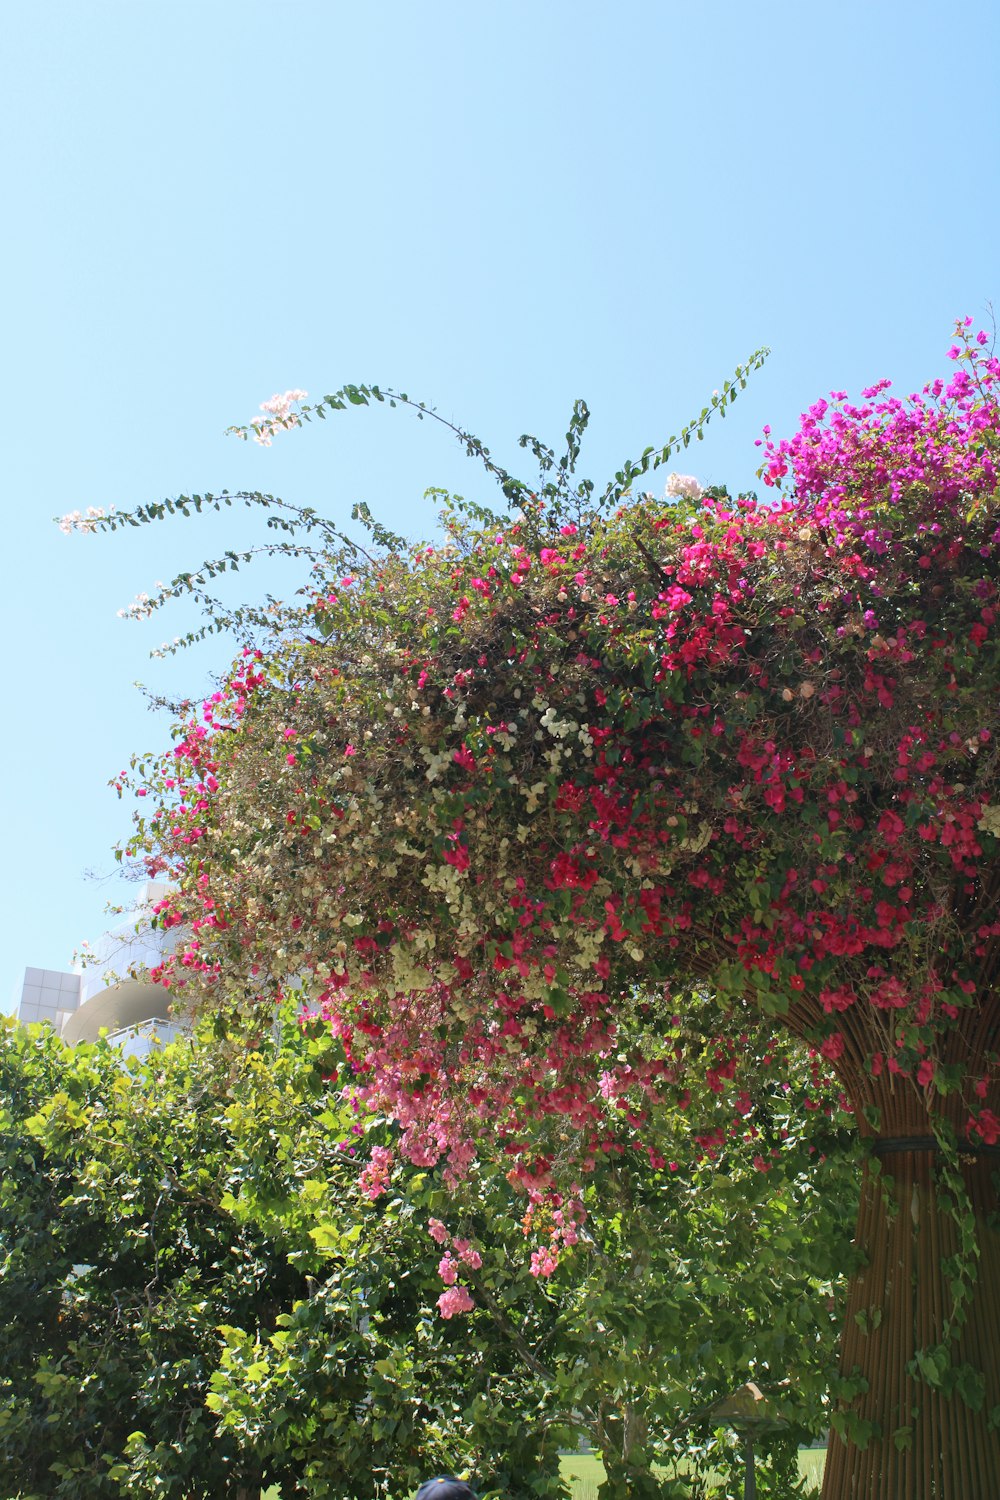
<point x="104" y="997"/>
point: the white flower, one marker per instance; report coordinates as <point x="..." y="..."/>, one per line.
<point x="279" y="416"/>
<point x="140" y="608"/>
<point x="74" y="521"/>
<point x="683" y="485"/>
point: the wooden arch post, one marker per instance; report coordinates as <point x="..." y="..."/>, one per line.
<point x="923" y="1444"/>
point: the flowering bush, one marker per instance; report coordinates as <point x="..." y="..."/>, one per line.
<point x="501" y="802"/>
<point x="497" y="792"/>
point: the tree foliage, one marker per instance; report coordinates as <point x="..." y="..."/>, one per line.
<point x="198" y="1296"/>
<point x="159" y="1217"/>
<point x="682" y="1283"/>
<point x="117" y="1261"/>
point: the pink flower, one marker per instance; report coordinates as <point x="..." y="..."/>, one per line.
<point x="833" y="1047"/>
<point x="437" y="1231"/>
<point x="448" y="1269"/>
<point x="466" y="1253"/>
<point x="455" y="1300"/>
<point x="374" y="1178"/>
<point x="543" y="1262"/>
<point x="457" y="854"/>
<point x="987" y="1125"/>
<point x="890" y="995"/>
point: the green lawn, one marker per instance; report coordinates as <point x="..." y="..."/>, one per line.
<point x="587" y="1471"/>
<point x="811" y="1461"/>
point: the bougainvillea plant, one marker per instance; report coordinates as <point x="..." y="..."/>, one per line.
<point x="586" y="761"/>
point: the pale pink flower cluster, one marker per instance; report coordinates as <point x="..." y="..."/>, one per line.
<point x="448" y="1269"/>
<point x="374" y="1178"/>
<point x="454" y="1300"/>
<point x="683" y="486"/>
<point x="543" y="1262"/>
<point x="279" y="417"/>
<point x="77" y="521"/>
<point x="468" y="1254"/>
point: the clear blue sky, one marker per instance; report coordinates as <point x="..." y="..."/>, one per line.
<point x="497" y="207"/>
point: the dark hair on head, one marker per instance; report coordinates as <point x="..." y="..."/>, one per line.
<point x="443" y="1487"/>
